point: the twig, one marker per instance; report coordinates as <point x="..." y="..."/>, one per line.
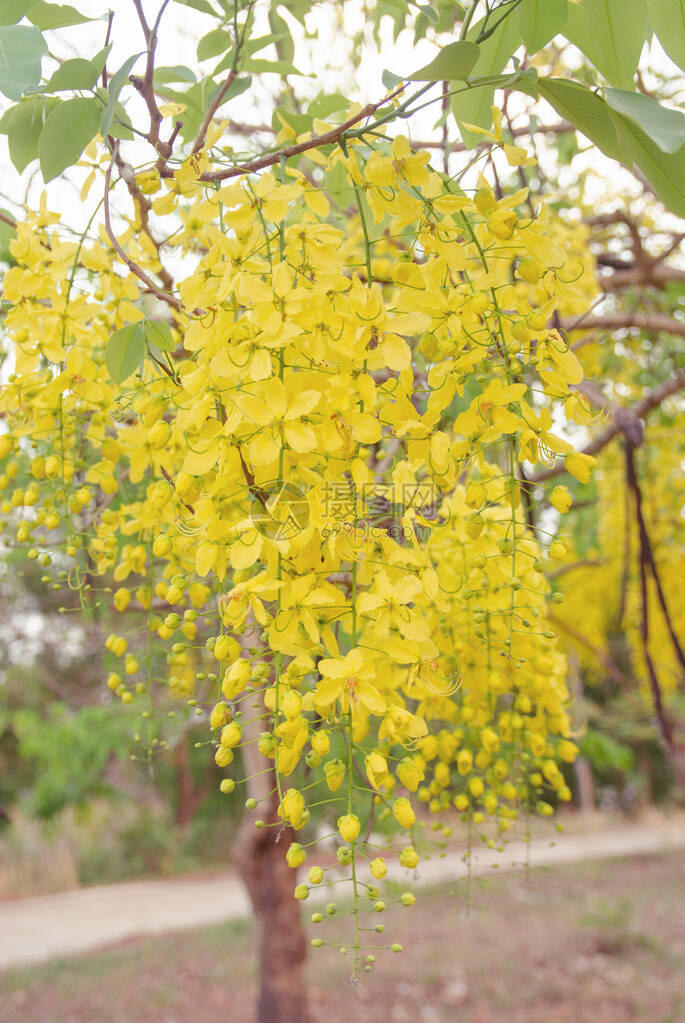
<point x="664" y="723"/>
<point x="646" y="549"/>
<point x="650" y="322"/>
<point x="271" y="159"/>
<point x="144" y="206"/>
<point x="170" y="300"/>
<point x="145" y="86"/>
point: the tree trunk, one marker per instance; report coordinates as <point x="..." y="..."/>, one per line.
<point x="189" y="796"/>
<point x="281" y="941"/>
<point x="270" y="883"/>
<point x="280" y="935"/>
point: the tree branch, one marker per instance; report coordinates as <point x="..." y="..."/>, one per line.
<point x="170" y="300"/>
<point x="649" y="322"/>
<point x="620" y="416"/>
<point x="271" y="159"/>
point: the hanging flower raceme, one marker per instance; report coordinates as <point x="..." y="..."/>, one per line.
<point x="310" y="493"/>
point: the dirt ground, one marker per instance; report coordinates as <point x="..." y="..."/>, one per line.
<point x="589" y="943"/>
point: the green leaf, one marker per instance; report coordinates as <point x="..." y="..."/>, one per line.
<point x="46" y="16"/>
<point x="475" y="105"/>
<point x="274" y="67"/>
<point x="586" y="112"/>
<point x="300" y="123"/>
<point x="620" y="28"/>
<point x="23" y="124"/>
<point x="298" y="8"/>
<point x="7" y="233"/>
<point x="215" y="42"/>
<point x="73" y="74"/>
<point x="100" y="58"/>
<point x="668" y="19"/>
<point x="66" y="133"/>
<point x="285" y="47"/>
<point x="158" y="333"/>
<point x="324" y="105"/>
<point x="429" y="13"/>
<point x="125" y="351"/>
<point x="665" y="127"/>
<point x="176" y="73"/>
<point x="115" y="86"/>
<point x="454" y="62"/>
<point x="121" y="127"/>
<point x="391" y="80"/>
<point x="664" y="171"/>
<point x="251" y="47"/>
<point x="540" y="20"/>
<point x="22" y="48"/>
<point x="198" y="5"/>
<point x="12" y="11"/>
<point x="577" y="31"/>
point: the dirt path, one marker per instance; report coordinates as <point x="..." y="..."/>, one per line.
<point x="49" y="926"/>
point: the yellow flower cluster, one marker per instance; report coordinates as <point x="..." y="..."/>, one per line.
<point x="314" y="500"/>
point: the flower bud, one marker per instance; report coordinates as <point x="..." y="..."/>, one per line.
<point x="349" y="827"/>
<point x="404" y="812"/>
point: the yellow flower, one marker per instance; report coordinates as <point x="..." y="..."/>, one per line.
<point x="334" y="771"/>
<point x="410" y="774"/>
<point x="376" y="769"/>
<point x="292" y="808"/>
<point x="579" y="465"/>
<point x="347" y="680"/>
<point x="562" y="499"/>
<point x="231" y="735"/>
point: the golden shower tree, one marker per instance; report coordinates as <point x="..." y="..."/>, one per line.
<point x="289" y="400"/>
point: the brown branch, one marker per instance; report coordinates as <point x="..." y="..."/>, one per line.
<point x="214" y="106"/>
<point x="647" y="551"/>
<point x="271" y="159"/>
<point x="145" y="86"/>
<point x="631" y="276"/>
<point x="459" y="147"/>
<point x="664" y="723"/>
<point x="143" y="206"/>
<point x="170" y="300"/>
<point x="625" y="567"/>
<point x="649" y="322"/>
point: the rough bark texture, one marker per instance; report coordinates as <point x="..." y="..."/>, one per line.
<point x="281" y="941"/>
<point x="260" y="858"/>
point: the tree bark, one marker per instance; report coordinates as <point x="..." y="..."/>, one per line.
<point x="281" y="941"/>
<point x="270" y="882"/>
